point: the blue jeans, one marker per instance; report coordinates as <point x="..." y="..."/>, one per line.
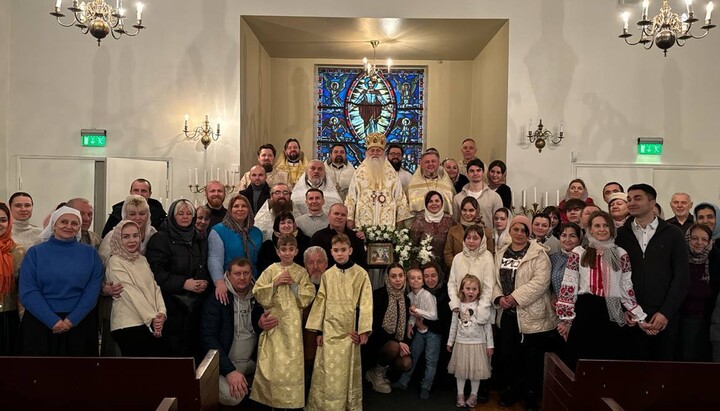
<point x="430" y="343"/>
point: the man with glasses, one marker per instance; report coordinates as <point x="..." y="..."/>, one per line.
<point x="395" y="156"/>
<point x="279" y="202"/>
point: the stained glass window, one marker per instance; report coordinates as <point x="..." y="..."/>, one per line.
<point x="352" y="104"/>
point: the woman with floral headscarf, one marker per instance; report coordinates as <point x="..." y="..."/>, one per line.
<point x="388" y="343"/>
<point x="596" y="286"/>
<point x="138" y="313"/>
<point x="178" y="259"/>
<point x="697" y="308"/>
<point x="60" y="281"/>
<point x="236" y="236"/>
<point x="11" y="254"/>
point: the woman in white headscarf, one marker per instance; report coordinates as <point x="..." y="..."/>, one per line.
<point x="60" y="280"/>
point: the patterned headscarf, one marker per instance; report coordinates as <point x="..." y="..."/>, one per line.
<point x="7" y="245"/>
<point x="394" y="321"/>
<point x="702" y="256"/>
<point x="116" y="247"/>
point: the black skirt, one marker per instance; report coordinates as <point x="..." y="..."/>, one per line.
<point x="9" y="330"/>
<point x="593" y="335"/>
<point x="36" y="339"/>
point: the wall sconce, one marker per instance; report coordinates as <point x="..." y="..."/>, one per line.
<point x="541" y="136"/>
<point x="205" y="133"/>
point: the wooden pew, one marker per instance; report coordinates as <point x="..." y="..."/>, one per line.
<point x="108" y="384"/>
<point x="630" y="385"/>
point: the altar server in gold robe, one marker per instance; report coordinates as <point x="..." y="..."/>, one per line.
<point x="342" y="316"/>
<point x="375" y="195"/>
<point x="283" y="289"/>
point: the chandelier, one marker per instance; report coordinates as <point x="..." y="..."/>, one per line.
<point x="98" y="18"/>
<point x="372" y="70"/>
<point x="667" y="28"/>
<point x="541" y="136"/>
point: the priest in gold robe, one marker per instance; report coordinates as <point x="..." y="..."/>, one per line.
<point x="375" y="195"/>
<point x="283" y="290"/>
<point x="291" y="162"/>
<point x="430" y="177"/>
<point x="342" y="316"/>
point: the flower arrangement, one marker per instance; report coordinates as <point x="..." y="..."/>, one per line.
<point x="405" y="251"/>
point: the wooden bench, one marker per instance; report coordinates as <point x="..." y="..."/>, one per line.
<point x="109" y="384"/>
<point x="630" y="385"/>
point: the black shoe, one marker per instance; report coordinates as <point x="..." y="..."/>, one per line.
<point x="531" y="404"/>
<point x="483" y="395"/>
<point x="507" y="399"/>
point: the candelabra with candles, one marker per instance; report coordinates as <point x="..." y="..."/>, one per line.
<point x="196" y="188"/>
<point x="99" y="18"/>
<point x="372" y="70"/>
<point x="667" y="28"/>
<point x="205" y="133"/>
<point x="536" y="206"/>
<point x="541" y="136"/>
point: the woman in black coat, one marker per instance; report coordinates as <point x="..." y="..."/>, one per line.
<point x="388" y="345"/>
<point x="284" y="224"/>
<point x="178" y="259"/>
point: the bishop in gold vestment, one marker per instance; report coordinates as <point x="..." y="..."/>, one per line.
<point x="375" y="195"/>
<point x="279" y="375"/>
<point x="343" y="305"/>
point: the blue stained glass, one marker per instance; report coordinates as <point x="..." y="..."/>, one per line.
<point x="352" y="104"/>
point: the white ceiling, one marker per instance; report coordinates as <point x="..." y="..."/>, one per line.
<point x="349" y="38"/>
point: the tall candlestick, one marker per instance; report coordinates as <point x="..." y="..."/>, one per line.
<point x="524" y="203"/>
<point x="227" y="177"/>
<point x="196" y="176"/>
<point x="189" y="176"/>
<point x="557" y="197"/>
<point x="534" y="195"/>
<point x="646" y="4"/>
<point x="546" y="199"/>
<point x="218" y="174"/>
<point x="689" y="7"/>
<point x="205" y="176"/>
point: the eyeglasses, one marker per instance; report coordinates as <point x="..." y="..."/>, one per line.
<point x="281" y="193"/>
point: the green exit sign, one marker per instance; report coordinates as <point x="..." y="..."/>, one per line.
<point x="93" y="137"/>
<point x="650" y="146"/>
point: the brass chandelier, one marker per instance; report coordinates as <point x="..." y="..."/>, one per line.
<point x="667" y="28"/>
<point x="99" y="18"/>
<point x="373" y="70"/>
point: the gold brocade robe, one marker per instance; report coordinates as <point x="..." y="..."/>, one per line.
<point x="280" y="372"/>
<point x="291" y="171"/>
<point x="376" y="204"/>
<point x="343" y="304"/>
<point x="419" y="186"/>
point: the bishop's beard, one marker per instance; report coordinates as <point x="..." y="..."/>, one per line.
<point x="376" y="171"/>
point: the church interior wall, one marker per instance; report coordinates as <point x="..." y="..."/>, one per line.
<point x="565" y="63"/>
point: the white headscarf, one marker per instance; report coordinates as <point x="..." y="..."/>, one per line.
<point x="47" y="232"/>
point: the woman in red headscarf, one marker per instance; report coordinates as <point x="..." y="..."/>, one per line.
<point x="10" y="256"/>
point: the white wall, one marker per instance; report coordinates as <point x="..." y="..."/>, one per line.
<point x="565" y="62"/>
<point x="4" y="94"/>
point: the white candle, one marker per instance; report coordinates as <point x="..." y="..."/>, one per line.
<point x="557" y="197"/>
<point x="196" y="176"/>
<point x="117" y="4"/>
<point x="530" y="127"/>
<point x="546" y="199"/>
<point x="708" y="12"/>
<point x="562" y="127"/>
<point x="227" y="177"/>
<point x="689" y="6"/>
<point x="139" y="10"/>
<point x="58" y="4"/>
<point x="626" y="20"/>
<point x="534" y="195"/>
<point x="218" y="174"/>
<point x="685" y="26"/>
<point x="524" y="202"/>
<point x="205" y="177"/>
<point x="189" y="177"/>
<point x="646" y="4"/>
<point x="513" y="204"/>
<point x="186" y="120"/>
